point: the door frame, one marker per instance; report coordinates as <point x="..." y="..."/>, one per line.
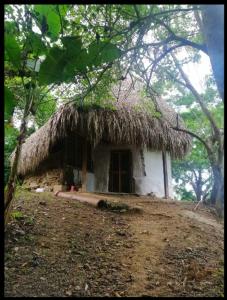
<point x="130" y="170"/>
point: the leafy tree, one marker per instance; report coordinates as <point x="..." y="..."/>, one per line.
<point x="11" y="134"/>
<point x="213" y="143"/>
<point x="23" y="53"/>
<point x="194" y="171"/>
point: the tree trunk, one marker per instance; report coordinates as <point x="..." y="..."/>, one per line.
<point x="213" y="28"/>
<point x="11" y="185"/>
<point x="199" y="191"/>
<point x="13" y="174"/>
<point x="217" y="193"/>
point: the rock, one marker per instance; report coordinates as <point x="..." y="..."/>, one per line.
<point x="68" y="293"/>
<point x="22" y="232"/>
<point x="121" y="233"/>
<point x="59" y="187"/>
<point x="189" y="249"/>
<point x="33" y="185"/>
<point x="39" y="190"/>
<point x="48" y="188"/>
<point x="170" y="283"/>
<point x="106" y="204"/>
<point x="144" y="232"/>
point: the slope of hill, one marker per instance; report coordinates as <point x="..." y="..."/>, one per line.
<point x="61" y="247"/>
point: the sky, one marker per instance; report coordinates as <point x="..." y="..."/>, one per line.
<point x="197" y="71"/>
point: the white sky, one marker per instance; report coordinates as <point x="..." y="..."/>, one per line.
<point x="197" y="71"/>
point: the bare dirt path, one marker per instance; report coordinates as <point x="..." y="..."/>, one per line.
<point x="60" y="247"/>
<point x="175" y="256"/>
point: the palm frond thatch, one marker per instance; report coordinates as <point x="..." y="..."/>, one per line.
<point x="119" y="126"/>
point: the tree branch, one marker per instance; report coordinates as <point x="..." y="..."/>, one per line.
<point x="199" y="100"/>
<point x="195" y="136"/>
<point x="177" y="10"/>
<point x="161" y="57"/>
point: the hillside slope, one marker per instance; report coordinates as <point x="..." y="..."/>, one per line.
<point x="61" y="247"/>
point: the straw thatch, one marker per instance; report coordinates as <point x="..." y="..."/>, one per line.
<point x="120" y="126"/>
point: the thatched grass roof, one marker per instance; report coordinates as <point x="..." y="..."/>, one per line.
<point x="120" y="126"/>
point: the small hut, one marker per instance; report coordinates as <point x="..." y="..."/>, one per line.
<point x="105" y="150"/>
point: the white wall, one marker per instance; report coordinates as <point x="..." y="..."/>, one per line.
<point x="169" y="172"/>
<point x="152" y="182"/>
<point x="90" y="186"/>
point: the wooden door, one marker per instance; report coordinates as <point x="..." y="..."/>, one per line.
<point x="120" y="171"/>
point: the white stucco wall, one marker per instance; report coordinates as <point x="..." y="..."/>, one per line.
<point x="90" y="186"/>
<point x="147" y="172"/>
<point x="153" y="182"/>
<point x="169" y="172"/>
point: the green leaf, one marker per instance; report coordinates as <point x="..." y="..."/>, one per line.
<point x="49" y="19"/>
<point x="110" y="52"/>
<point x="72" y="43"/>
<point x="13" y="50"/>
<point x="10" y="27"/>
<point x="61" y="65"/>
<point x="36" y="44"/>
<point x="77" y="57"/>
<point x="102" y="52"/>
<point x="51" y="69"/>
<point x="9" y="101"/>
<point x="94" y="57"/>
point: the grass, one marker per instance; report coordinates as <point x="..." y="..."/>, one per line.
<point x="17" y="215"/>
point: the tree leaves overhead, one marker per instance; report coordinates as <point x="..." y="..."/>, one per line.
<point x="36" y="45"/>
<point x="52" y="68"/>
<point x="62" y="64"/>
<point x="12" y="50"/>
<point x="102" y="52"/>
<point x="77" y="56"/>
<point x="50" y="18"/>
<point x="9" y="102"/>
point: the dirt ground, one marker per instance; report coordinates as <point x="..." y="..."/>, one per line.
<point x="59" y="247"/>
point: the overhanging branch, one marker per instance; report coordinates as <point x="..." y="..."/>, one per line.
<point x="195" y="136"/>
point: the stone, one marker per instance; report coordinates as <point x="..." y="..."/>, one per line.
<point x="59" y="188"/>
<point x="34" y="185"/>
<point x="48" y="188"/>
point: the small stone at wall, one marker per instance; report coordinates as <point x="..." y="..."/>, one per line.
<point x="59" y="188"/>
<point x="48" y="188"/>
<point x="33" y="185"/>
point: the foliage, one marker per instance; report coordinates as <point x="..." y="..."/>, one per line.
<point x="44" y="110"/>
<point x="193" y="175"/>
<point x="17" y="215"/>
<point x="196" y="169"/>
<point x="9" y="144"/>
<point x="9" y="101"/>
<point x="184" y="194"/>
